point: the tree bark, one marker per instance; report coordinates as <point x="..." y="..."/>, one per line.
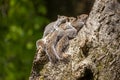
<point x="95" y="51"/>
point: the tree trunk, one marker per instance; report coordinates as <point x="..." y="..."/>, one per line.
<point x="95" y="51"/>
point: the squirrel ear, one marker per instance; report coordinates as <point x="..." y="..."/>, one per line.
<point x="58" y="16"/>
<point x="77" y="17"/>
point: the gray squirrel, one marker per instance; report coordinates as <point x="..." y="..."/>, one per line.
<point x="50" y="28"/>
<point x="51" y="34"/>
<point x="79" y="22"/>
<point x="57" y="35"/>
<point x="69" y="33"/>
<point x="54" y="25"/>
<point x="55" y="46"/>
<point x="75" y="24"/>
<point x="50" y="46"/>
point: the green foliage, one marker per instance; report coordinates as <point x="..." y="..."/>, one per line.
<point x="21" y="24"/>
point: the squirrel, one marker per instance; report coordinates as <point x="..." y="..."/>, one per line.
<point x="50" y="37"/>
<point x="59" y="34"/>
<point x="54" y="25"/>
<point x="50" y="28"/>
<point x="70" y="33"/>
<point x="79" y="22"/>
<point x="59" y="40"/>
<point x="75" y="25"/>
<point x="50" y="46"/>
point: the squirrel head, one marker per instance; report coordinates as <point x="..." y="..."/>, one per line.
<point x="62" y="18"/>
<point x="82" y="17"/>
<point x="72" y="19"/>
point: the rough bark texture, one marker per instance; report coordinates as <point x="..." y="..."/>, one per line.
<point x="95" y="52"/>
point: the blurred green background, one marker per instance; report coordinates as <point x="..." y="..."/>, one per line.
<point x="22" y="23"/>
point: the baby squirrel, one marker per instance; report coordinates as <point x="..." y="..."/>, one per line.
<point x="58" y="41"/>
<point x="50" y="37"/>
<point x="50" y="46"/>
<point x="69" y="33"/>
<point x="58" y="35"/>
<point x="49" y="29"/>
<point x="75" y="25"/>
<point x="54" y="25"/>
<point x="79" y="22"/>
